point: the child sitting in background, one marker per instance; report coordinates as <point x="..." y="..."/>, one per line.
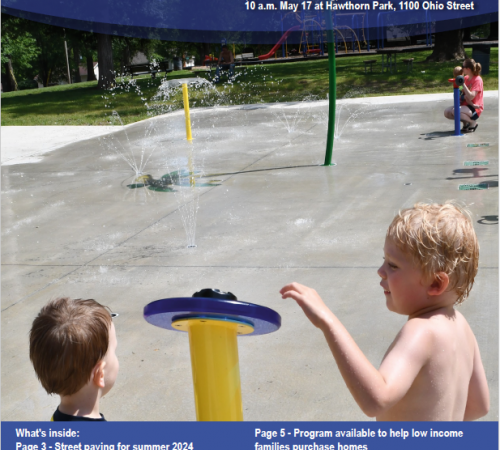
<point x="433" y="369"/>
<point x="471" y="113"/>
<point x="458" y="70"/>
<point x="72" y="348"/>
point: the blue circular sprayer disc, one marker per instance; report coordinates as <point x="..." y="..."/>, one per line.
<point x="162" y="313"/>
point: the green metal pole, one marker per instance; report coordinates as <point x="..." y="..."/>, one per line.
<point x="332" y="90"/>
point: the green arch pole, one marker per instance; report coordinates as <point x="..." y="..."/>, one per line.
<point x="332" y="79"/>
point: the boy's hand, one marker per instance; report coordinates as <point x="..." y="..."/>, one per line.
<point x="310" y="302"/>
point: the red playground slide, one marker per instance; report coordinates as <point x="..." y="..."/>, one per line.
<point x="273" y="50"/>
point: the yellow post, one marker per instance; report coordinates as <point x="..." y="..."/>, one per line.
<point x="216" y="372"/>
<point x="188" y="131"/>
<point x="186" y="111"/>
<point x="192" y="180"/>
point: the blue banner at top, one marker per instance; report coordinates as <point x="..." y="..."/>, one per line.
<point x="202" y="20"/>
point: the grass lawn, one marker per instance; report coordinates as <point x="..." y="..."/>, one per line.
<point x="84" y="104"/>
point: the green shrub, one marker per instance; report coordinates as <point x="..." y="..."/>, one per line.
<point x="27" y="84"/>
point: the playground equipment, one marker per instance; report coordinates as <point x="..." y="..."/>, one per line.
<point x="283" y="38"/>
<point x="209" y="59"/>
<point x="313" y="36"/>
<point x="457" y="83"/>
<point x="213" y="320"/>
<point x="348" y="27"/>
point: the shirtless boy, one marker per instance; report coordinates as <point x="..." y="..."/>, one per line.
<point x="433" y="369"/>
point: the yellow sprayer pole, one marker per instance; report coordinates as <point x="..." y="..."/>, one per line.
<point x="188" y="132"/>
<point x="186" y="111"/>
<point x="216" y="371"/>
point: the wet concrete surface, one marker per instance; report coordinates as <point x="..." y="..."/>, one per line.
<point x="72" y="227"/>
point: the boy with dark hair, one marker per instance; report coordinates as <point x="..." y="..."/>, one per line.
<point x="72" y="348"/>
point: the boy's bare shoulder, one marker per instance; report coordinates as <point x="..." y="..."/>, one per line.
<point x="442" y="320"/>
<point x="438" y="349"/>
<point x="444" y="327"/>
<point x="446" y="330"/>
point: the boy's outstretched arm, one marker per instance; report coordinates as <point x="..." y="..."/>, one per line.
<point x="478" y="397"/>
<point x="375" y="391"/>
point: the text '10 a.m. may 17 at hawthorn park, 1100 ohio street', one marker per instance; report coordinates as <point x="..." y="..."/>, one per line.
<point x="355" y="6"/>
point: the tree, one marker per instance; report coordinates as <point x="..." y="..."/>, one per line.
<point x="105" y="61"/>
<point x="19" y="51"/>
<point x="493" y="36"/>
<point x="203" y="49"/>
<point x="51" y="60"/>
<point x="76" y="62"/>
<point x="10" y="79"/>
<point x="125" y="48"/>
<point x="90" y="66"/>
<point x="448" y="46"/>
<point x="88" y="42"/>
<point x="83" y="44"/>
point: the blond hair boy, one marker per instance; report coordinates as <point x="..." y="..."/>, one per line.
<point x="72" y="348"/>
<point x="433" y="369"/>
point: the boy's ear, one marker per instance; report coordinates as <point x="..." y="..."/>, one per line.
<point x="98" y="374"/>
<point x="439" y="284"/>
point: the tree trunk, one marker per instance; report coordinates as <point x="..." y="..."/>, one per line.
<point x="126" y="58"/>
<point x="448" y="46"/>
<point x="45" y="74"/>
<point x="467" y="35"/>
<point x="11" y="79"/>
<point x="105" y="61"/>
<point x="493" y="31"/>
<point x="204" y="49"/>
<point x="76" y="60"/>
<point x="90" y="67"/>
